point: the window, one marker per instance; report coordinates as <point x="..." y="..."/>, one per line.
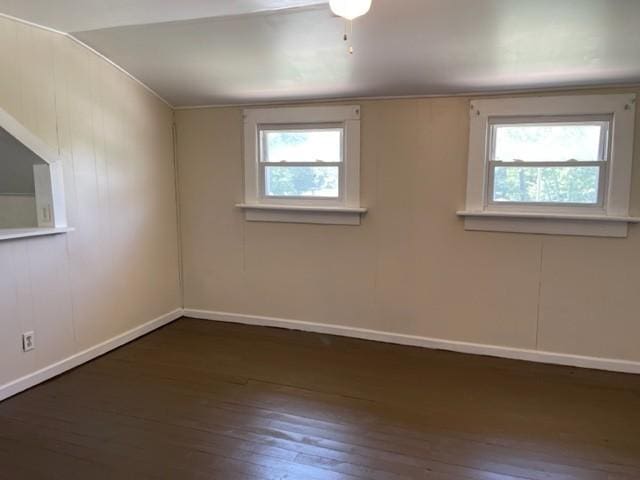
<point x="302" y="164"/>
<point x="551" y="165"/>
<point x="548" y="161"/>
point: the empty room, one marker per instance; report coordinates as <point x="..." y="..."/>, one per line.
<point x="320" y="239"/>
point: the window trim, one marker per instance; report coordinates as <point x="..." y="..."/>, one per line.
<point x="483" y="215"/>
<point x="259" y="207"/>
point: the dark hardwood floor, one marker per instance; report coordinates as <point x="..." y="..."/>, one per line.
<point x="200" y="399"/>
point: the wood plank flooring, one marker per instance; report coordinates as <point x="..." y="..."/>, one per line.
<point x="207" y="400"/>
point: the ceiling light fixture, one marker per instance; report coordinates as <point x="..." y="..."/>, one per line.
<point x="349" y="10"/>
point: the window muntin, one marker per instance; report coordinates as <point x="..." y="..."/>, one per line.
<point x="548" y="161"/>
<point x="301" y="161"/>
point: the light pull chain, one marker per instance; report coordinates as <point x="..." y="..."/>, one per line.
<point x="348" y="34"/>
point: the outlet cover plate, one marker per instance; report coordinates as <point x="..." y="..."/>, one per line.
<point x="28" y="341"/>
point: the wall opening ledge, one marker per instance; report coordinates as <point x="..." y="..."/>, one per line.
<point x="13" y="233"/>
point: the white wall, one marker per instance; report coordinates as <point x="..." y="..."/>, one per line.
<point x="410" y="268"/>
<point x="119" y="268"/>
<point x="16" y="165"/>
<point x="18" y="211"/>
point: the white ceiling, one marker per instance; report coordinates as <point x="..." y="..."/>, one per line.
<point x="79" y="15"/>
<point x="242" y="51"/>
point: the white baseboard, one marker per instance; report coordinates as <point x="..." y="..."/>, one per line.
<point x="28" y="381"/>
<point x="610" y="364"/>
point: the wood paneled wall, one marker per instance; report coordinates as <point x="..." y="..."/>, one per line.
<point x="119" y="268"/>
<point x="410" y="268"/>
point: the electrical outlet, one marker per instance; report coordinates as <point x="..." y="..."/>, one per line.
<point x="28" y="341"/>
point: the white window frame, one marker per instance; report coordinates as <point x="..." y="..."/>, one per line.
<point x="302" y="200"/>
<point x="345" y="209"/>
<point x="610" y="217"/>
<point x="603" y="164"/>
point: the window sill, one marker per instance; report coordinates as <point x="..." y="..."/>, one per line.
<point x="548" y="223"/>
<point x="13" y="233"/>
<point x="302" y="214"/>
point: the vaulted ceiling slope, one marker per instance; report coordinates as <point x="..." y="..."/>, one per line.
<point x="81" y="15"/>
<point x="213" y="52"/>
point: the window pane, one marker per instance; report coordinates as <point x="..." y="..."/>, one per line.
<point x="281" y="181"/>
<point x="318" y="145"/>
<point x="546" y="184"/>
<point x="548" y="143"/>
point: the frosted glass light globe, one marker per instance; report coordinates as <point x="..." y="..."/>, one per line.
<point x="350" y="9"/>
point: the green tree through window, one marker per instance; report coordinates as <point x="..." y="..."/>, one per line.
<point x="553" y="144"/>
